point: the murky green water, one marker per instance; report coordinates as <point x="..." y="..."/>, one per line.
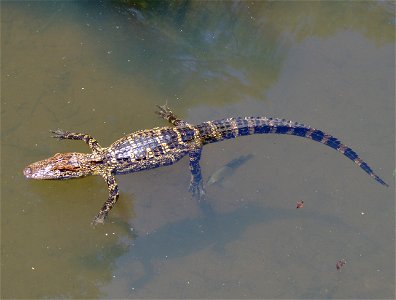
<point x="100" y="69"/>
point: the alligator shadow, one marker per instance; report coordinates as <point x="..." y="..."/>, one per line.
<point x="214" y="230"/>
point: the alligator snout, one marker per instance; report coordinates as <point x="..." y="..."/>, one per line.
<point x="27" y="172"/>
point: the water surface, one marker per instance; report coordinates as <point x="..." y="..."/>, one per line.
<point x="100" y="68"/>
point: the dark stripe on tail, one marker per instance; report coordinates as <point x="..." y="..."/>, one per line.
<point x="218" y="130"/>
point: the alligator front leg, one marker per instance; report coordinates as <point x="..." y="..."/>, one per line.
<point x="196" y="186"/>
<point x="165" y="113"/>
<point x="113" y="196"/>
<point x="89" y="140"/>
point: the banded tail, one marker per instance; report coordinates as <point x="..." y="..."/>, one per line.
<point x="218" y="130"/>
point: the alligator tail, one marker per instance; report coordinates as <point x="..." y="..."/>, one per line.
<point x="219" y="130"/>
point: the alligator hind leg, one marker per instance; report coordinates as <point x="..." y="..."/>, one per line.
<point x="165" y="113"/>
<point x="196" y="185"/>
<point x="89" y="140"/>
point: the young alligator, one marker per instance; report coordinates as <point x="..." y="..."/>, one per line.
<point x="153" y="148"/>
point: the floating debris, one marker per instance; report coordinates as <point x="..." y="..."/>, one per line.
<point x="225" y="171"/>
<point x="340" y="264"/>
<point x="300" y="204"/>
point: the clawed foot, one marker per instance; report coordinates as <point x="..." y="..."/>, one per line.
<point x="197" y="190"/>
<point x="199" y="194"/>
<point x="164" y="112"/>
<point x="99" y="219"/>
<point x="59" y="134"/>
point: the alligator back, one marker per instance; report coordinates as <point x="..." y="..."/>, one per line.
<point x="147" y="149"/>
<point x="218" y="130"/>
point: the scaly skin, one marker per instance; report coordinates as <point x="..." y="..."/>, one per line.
<point x="153" y="148"/>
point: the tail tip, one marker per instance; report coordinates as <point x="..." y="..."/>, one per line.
<point x="381" y="181"/>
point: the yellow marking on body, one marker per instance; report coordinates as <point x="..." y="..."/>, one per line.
<point x="234" y="127"/>
<point x="325" y="139"/>
<point x="91" y="141"/>
<point x="213" y="131"/>
<point x="149" y="153"/>
<point x="113" y="159"/>
<point x="179" y="136"/>
<point x="358" y="161"/>
<point x="165" y="147"/>
<point x="342" y="148"/>
<point x="251" y="125"/>
<point x="309" y="133"/>
<point x="197" y="136"/>
<point x="156" y="137"/>
<point x="272" y="126"/>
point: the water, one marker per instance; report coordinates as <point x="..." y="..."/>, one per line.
<point x="100" y="69"/>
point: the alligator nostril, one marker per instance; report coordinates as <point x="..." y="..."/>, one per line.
<point x="27" y="172"/>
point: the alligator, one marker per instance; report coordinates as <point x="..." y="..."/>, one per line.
<point x="163" y="146"/>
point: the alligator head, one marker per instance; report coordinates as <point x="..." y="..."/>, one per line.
<point x="61" y="166"/>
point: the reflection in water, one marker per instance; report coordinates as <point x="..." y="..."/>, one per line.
<point x="245" y="43"/>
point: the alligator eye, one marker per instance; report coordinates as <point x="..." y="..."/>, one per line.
<point x="68" y="168"/>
